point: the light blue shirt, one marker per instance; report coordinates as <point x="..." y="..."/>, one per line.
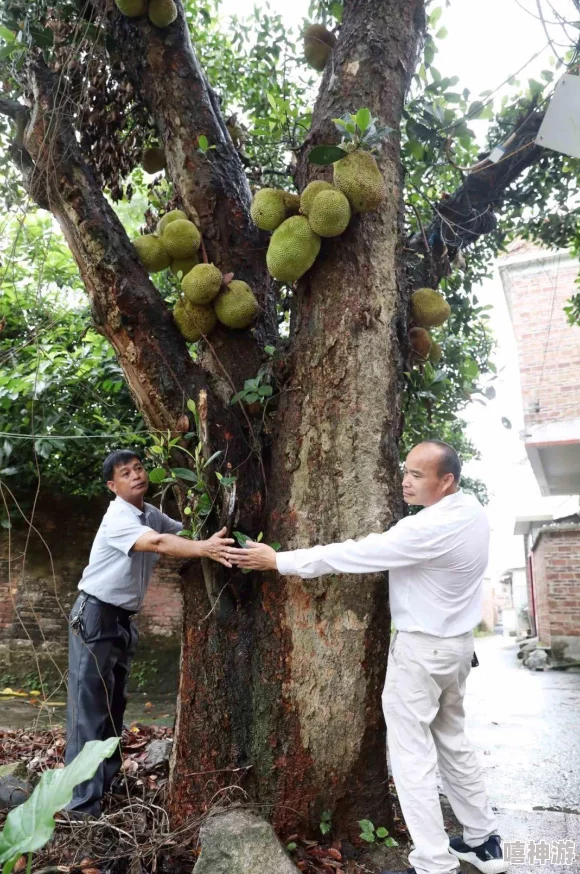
<point x="115" y="572"/>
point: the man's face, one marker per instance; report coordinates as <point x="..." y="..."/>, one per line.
<point x="130" y="481"/>
<point x="422" y="483"/>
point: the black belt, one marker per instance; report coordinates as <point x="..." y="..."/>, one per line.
<point x="120" y="611"/>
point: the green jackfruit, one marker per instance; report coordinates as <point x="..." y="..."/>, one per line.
<point x="235" y="305"/>
<point x="420" y="340"/>
<point x="169" y="217"/>
<point x="183" y="265"/>
<point x="318" y="44"/>
<point x="293" y="249"/>
<point x="435" y="353"/>
<point x="310" y="192"/>
<point x="194" y="321"/>
<point x="359" y="178"/>
<point x="152" y="253"/>
<point x="162" y="13"/>
<point x="429" y="308"/>
<point x="132" y="8"/>
<point x="268" y="209"/>
<point x="153" y="160"/>
<point x="329" y="214"/>
<point x="202" y="283"/>
<point x="181" y="238"/>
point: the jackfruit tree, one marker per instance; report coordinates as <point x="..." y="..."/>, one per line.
<point x="281" y="678"/>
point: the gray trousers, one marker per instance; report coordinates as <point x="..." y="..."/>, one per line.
<point x="99" y="659"/>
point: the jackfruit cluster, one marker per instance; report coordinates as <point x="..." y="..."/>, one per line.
<point x="162" y="13"/>
<point x="206" y="300"/>
<point x="271" y="206"/>
<point x="429" y="309"/>
<point x="318" y="45"/>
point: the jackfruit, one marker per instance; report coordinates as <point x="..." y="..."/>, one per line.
<point x="153" y="160"/>
<point x="194" y="321"/>
<point x="293" y="249"/>
<point x="235" y="305"/>
<point x="152" y="253"/>
<point x="132" y="8"/>
<point x="291" y="202"/>
<point x="310" y="192"/>
<point x="268" y="209"/>
<point x="318" y="44"/>
<point x="429" y="308"/>
<point x="202" y="283"/>
<point x="435" y="353"/>
<point x="181" y="238"/>
<point x="359" y="178"/>
<point x="162" y="13"/>
<point x="171" y="216"/>
<point x="183" y="265"/>
<point x="329" y="214"/>
<point x="420" y="340"/>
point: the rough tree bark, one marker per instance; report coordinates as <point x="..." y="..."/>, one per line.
<point x="280" y="685"/>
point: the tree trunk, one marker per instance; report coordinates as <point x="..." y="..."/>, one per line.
<point x="289" y="689"/>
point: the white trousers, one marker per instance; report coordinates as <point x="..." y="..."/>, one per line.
<point x="423" y="707"/>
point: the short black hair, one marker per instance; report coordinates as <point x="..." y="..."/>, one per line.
<point x="119" y="456"/>
<point x="449" y="461"/>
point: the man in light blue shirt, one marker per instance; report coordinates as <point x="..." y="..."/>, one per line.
<point x="102" y="635"/>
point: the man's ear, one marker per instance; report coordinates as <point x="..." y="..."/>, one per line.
<point x="112" y="487"/>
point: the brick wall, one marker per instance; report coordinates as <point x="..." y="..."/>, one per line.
<point x="556" y="560"/>
<point x="548" y="347"/>
<point x="39" y="573"/>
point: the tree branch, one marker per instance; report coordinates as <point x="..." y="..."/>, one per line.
<point x="12" y="108"/>
<point x="469" y="213"/>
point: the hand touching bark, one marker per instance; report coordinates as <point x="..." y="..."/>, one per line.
<point x="254" y="556"/>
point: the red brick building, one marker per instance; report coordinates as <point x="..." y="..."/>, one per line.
<point x="40" y="567"/>
<point x="537" y="285"/>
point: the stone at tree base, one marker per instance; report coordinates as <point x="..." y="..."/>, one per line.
<point x="13" y="790"/>
<point x="537" y="660"/>
<point x="238" y="842"/>
<point x="158" y="753"/>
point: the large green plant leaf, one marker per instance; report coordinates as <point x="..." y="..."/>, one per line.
<point x="30" y="826"/>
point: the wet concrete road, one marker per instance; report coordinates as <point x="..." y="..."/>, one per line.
<point x="526" y="726"/>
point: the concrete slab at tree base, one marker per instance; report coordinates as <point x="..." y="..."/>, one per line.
<point x="238" y="842"/>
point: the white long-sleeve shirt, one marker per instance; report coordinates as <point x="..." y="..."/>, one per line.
<point x="436" y="560"/>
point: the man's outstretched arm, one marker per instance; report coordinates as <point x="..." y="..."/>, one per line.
<point x="405" y="544"/>
<point x="170" y="544"/>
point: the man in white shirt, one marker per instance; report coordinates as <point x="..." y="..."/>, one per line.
<point x="436" y="560"/>
<point x="102" y="635"/>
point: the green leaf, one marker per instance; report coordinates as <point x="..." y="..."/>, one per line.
<point x="203" y="143"/>
<point x="435" y="16"/>
<point x="184" y="473"/>
<point x="157" y="450"/>
<point x="272" y="101"/>
<point x="441" y="33"/>
<point x="240" y="537"/>
<point x="269" y="350"/>
<point x="391" y="842"/>
<point x="187" y="511"/>
<point x="291" y="846"/>
<point x="275" y="545"/>
<point x="185" y="533"/>
<point x="382" y="832"/>
<point x="6" y="34"/>
<point x="31" y="825"/>
<point x="238" y="396"/>
<point x="191" y="406"/>
<point x="363" y="119"/>
<point x="369" y="837"/>
<point x="324" y="155"/>
<point x="265" y="391"/>
<point x="212" y="458"/>
<point x="325" y="827"/>
<point x="366" y="825"/>
<point x="157" y="475"/>
<point x="252" y="397"/>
